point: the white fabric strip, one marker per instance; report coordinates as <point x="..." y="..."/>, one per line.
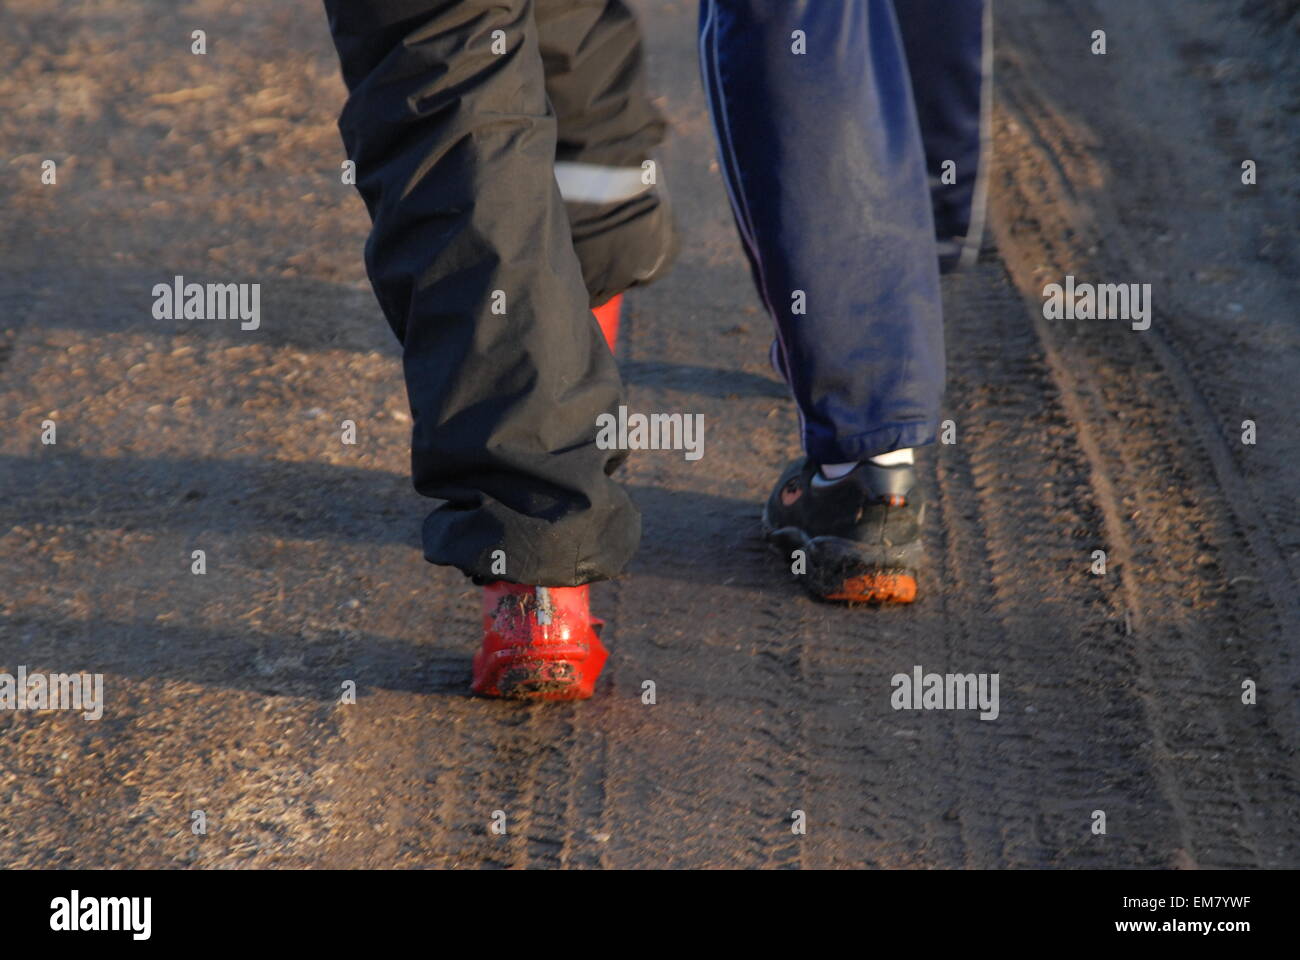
<point x="593" y="183"/>
<point x="735" y="186"/>
<point x="893" y="458"/>
<point x="979" y="202"/>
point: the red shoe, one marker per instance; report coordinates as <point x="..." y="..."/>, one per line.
<point x="607" y="317"/>
<point x="539" y="643"/>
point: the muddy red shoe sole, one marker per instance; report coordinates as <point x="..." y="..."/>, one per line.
<point x="567" y="672"/>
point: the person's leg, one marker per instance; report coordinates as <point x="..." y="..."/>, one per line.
<point x="470" y="256"/>
<point x="820" y="149"/>
<point x="608" y="129"/>
<point x="822" y="155"/>
<point x="949" y="55"/>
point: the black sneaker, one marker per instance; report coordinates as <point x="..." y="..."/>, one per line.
<point x="860" y="535"/>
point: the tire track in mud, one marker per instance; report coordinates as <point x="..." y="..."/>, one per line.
<point x="775" y="745"/>
<point x="531" y="750"/>
<point x="1096" y="235"/>
<point x="1151" y="448"/>
<point x="954" y="552"/>
<point x="851" y="819"/>
<point x="564" y="800"/>
<point x="728" y="801"/>
<point x="1021" y="525"/>
<point x="537" y="765"/>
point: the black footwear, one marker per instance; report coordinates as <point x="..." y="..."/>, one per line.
<point x="860" y="534"/>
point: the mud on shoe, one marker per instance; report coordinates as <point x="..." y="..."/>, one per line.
<point x="860" y="534"/>
<point x="539" y="643"/>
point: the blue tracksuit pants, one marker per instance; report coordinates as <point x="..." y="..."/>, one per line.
<point x="849" y="133"/>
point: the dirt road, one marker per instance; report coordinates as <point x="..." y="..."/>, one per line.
<point x="1119" y="693"/>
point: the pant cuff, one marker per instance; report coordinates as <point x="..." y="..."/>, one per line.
<point x="860" y="446"/>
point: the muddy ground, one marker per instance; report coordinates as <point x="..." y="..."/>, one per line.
<point x="1119" y="692"/>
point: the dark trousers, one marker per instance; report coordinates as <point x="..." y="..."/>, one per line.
<point x="458" y="113"/>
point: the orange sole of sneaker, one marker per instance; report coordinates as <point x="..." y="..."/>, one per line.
<point x="876" y="588"/>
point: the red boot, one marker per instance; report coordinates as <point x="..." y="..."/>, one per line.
<point x="539" y="643"/>
<point x="607" y="316"/>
